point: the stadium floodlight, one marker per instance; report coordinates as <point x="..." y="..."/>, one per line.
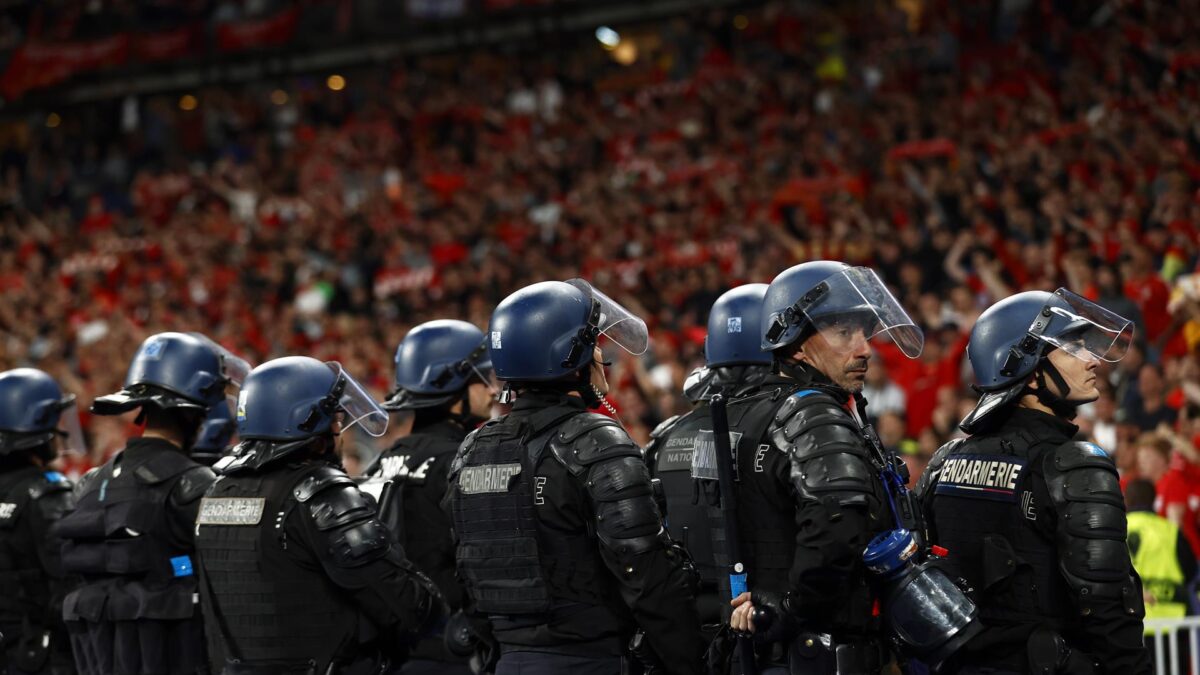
<point x="608" y="37"/>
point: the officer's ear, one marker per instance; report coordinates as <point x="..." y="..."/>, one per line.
<point x="800" y="355"/>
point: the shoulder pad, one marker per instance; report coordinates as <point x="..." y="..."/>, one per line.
<point x="324" y="477"/>
<point x="665" y="426"/>
<point x="460" y="455"/>
<point x="810" y="424"/>
<point x="194" y="483"/>
<point x="163" y="466"/>
<point x="934" y="468"/>
<point x="589" y="438"/>
<point x="1081" y="472"/>
<point x="48" y="483"/>
<point x="340" y="504"/>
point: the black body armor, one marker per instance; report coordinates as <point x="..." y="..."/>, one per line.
<point x="300" y="576"/>
<point x="32" y="581"/>
<point x="130" y="539"/>
<point x="1035" y="523"/>
<point x="559" y="540"/>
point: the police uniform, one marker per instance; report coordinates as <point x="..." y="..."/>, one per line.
<point x="130" y="538"/>
<point x="417" y="467"/>
<point x="32" y="579"/>
<point x="299" y="575"/>
<point x="560" y="543"/>
<point x="1034" y="521"/>
<point x="810" y="501"/>
<point x="693" y="506"/>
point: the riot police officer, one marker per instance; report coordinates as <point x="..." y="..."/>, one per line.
<point x="1033" y="519"/>
<point x="443" y="378"/>
<point x="131" y="534"/>
<point x="36" y="418"/>
<point x="734" y="364"/>
<point x="812" y="494"/>
<point x="559" y="541"/>
<point x="298" y="574"/>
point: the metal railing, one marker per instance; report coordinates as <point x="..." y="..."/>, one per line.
<point x="1163" y="637"/>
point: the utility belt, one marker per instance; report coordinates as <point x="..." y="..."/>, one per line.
<point x="821" y="654"/>
<point x="360" y="667"/>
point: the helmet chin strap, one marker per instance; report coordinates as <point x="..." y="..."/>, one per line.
<point x="1058" y="403"/>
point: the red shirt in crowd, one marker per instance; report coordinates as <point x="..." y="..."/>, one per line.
<point x="1151" y="295"/>
<point x="1181" y="486"/>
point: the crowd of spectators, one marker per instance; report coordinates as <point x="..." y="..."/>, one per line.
<point x="966" y="151"/>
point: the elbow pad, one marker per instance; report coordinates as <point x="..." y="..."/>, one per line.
<point x="1093" y="555"/>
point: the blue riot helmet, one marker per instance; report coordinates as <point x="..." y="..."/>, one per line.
<point x="834" y="299"/>
<point x="33" y="410"/>
<point x="733" y="324"/>
<point x="435" y="362"/>
<point x="216" y="433"/>
<point x="176" y="371"/>
<point x="549" y="330"/>
<point x="1011" y="339"/>
<point x="287" y="403"/>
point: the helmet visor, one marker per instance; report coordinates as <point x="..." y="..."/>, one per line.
<point x="358" y="406"/>
<point x="70" y="432"/>
<point x="1082" y="328"/>
<point x="615" y="322"/>
<point x="854" y="304"/>
<point x="233" y="367"/>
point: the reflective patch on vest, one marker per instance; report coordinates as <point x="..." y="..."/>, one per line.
<point x="704" y="454"/>
<point x="231" y="510"/>
<point x="182" y="566"/>
<point x="396" y="467"/>
<point x="676" y="453"/>
<point x="7" y="510"/>
<point x="981" y="477"/>
<point x="55" y="477"/>
<point x="474" y="480"/>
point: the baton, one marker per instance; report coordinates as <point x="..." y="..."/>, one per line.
<point x="733" y="542"/>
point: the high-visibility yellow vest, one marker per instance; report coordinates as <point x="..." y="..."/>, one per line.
<point x="1152" y="541"/>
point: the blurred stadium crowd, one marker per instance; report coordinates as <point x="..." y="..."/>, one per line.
<point x="965" y="150"/>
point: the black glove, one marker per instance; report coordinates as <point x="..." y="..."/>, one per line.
<point x="719" y="656"/>
<point x="640" y="648"/>
<point x="773" y="618"/>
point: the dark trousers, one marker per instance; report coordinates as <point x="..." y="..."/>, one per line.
<point x="431" y="667"/>
<point x="545" y="663"/>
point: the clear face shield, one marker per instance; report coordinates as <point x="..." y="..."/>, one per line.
<point x="233" y="367"/>
<point x="854" y="305"/>
<point x="615" y="322"/>
<point x="1082" y="328"/>
<point x="69" y="430"/>
<point x="357" y="405"/>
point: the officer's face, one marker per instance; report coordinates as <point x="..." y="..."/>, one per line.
<point x="599" y="380"/>
<point x="1079" y="373"/>
<point x="480" y="398"/>
<point x="841" y="352"/>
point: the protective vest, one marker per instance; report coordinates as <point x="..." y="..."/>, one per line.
<point x="1152" y="541"/>
<point x="983" y="513"/>
<point x="267" y="603"/>
<point x="24" y="587"/>
<point x="506" y="560"/>
<point x="411" y="466"/>
<point x="691" y="504"/>
<point x="766" y="517"/>
<point x="120" y="540"/>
